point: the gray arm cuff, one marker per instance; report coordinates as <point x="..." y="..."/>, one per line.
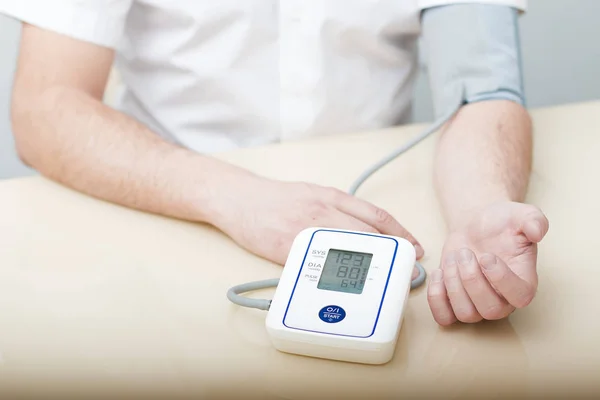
<point x="472" y="54"/>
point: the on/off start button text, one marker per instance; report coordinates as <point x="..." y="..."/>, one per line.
<point x="332" y="314"/>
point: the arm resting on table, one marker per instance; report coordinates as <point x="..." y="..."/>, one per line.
<point x="488" y="265"/>
<point x="64" y="131"/>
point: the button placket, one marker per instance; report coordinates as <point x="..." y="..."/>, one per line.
<point x="295" y="65"/>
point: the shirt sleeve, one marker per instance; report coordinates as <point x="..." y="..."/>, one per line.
<point x="520" y="5"/>
<point x="99" y="22"/>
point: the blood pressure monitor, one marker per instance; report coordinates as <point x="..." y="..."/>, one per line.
<point x="342" y="296"/>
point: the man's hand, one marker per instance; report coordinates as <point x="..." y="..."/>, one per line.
<point x="264" y="215"/>
<point x="488" y="267"/>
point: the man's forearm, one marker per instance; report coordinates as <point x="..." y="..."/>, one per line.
<point x="76" y="140"/>
<point x="484" y="156"/>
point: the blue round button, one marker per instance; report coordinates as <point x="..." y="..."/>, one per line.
<point x="332" y="314"/>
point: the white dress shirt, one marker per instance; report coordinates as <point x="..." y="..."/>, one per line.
<point x="222" y="74"/>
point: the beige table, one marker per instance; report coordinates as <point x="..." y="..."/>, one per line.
<point x="98" y="299"/>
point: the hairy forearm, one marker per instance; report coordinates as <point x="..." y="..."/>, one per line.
<point x="76" y="140"/>
<point x="483" y="156"/>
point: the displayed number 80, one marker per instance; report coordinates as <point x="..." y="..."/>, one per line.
<point x="345" y="272"/>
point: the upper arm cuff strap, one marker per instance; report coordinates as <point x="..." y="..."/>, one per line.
<point x="473" y="54"/>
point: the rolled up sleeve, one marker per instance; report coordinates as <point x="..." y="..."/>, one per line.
<point x="99" y="22"/>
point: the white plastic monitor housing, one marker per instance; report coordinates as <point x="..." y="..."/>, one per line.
<point x="359" y="323"/>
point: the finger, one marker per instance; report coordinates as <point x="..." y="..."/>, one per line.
<point x="340" y="220"/>
<point x="487" y="302"/>
<point x="515" y="290"/>
<point x="463" y="307"/>
<point x="533" y="223"/>
<point x="374" y="216"/>
<point x="415" y="273"/>
<point x="438" y="299"/>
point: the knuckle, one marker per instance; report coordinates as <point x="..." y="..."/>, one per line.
<point x="383" y="217"/>
<point x="435" y="293"/>
<point x="468" y="316"/>
<point x="442" y="314"/>
<point x="453" y="291"/>
<point x="451" y="277"/>
<point x="470" y="278"/>
<point x="471" y="319"/>
<point x="494" y="312"/>
<point x="499" y="276"/>
<point x="334" y="194"/>
<point x="535" y="212"/>
<point x="444" y="319"/>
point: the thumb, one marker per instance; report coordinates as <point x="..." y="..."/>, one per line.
<point x="533" y="223"/>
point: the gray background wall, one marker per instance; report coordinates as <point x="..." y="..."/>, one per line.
<point x="561" y="51"/>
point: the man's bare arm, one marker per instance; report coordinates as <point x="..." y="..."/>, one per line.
<point x="64" y="131"/>
<point x="488" y="265"/>
<point x="484" y="156"/>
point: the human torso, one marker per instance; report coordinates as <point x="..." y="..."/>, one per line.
<point x="217" y="75"/>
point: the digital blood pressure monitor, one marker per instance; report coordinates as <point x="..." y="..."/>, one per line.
<point x="342" y="296"/>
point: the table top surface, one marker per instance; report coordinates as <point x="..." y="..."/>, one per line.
<point x="97" y="298"/>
